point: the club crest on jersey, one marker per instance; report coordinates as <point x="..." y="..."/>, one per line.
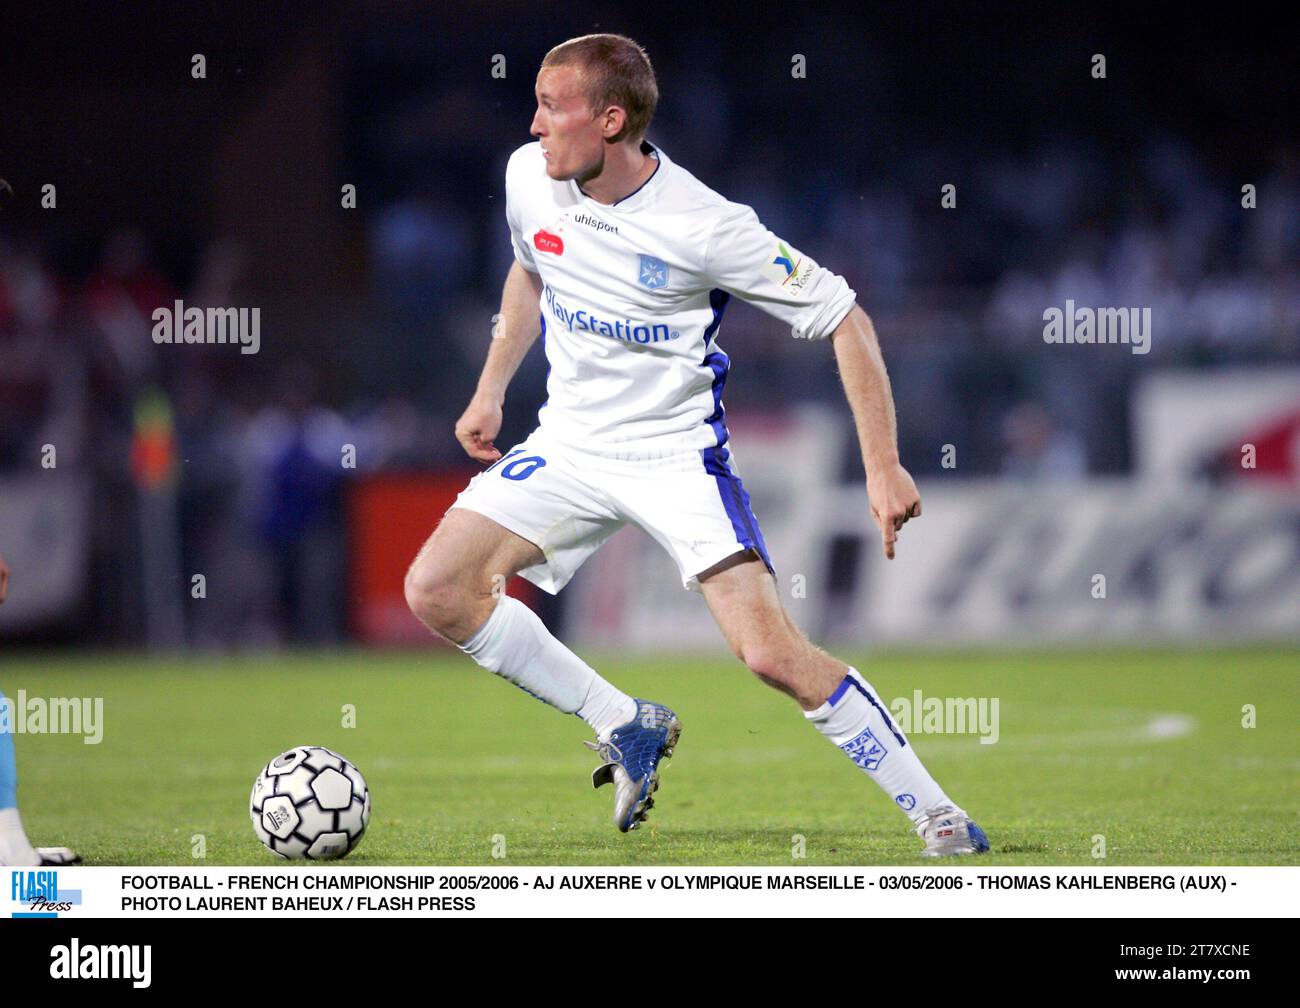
<point x="789" y="269"/>
<point x="547" y="242"/>
<point x="654" y="272"/>
<point x="865" y="750"/>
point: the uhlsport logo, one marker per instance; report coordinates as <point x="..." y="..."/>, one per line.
<point x="866" y="750"/>
<point x="653" y="272"/>
<point x="37" y="894"/>
<point x="595" y="222"/>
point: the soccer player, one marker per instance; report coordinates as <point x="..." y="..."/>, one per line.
<point x="632" y="262"/>
<point x="15" y="849"/>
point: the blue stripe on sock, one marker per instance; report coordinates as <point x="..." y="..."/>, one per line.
<point x="840" y="690"/>
<point x="850" y="681"/>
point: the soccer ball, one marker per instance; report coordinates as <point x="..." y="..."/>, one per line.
<point x="309" y="802"/>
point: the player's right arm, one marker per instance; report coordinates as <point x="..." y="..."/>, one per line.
<point x="4" y="579"/>
<point x="514" y="332"/>
<point x="748" y="260"/>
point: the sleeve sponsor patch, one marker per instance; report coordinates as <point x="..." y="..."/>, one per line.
<point x="789" y="269"/>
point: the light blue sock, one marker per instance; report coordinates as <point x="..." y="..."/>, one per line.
<point x="8" y="768"/>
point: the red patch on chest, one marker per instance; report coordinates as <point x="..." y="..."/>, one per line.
<point x="547" y="242"/>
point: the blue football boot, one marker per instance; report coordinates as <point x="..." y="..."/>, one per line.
<point x="631" y="758"/>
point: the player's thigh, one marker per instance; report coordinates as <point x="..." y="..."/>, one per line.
<point x="467" y="548"/>
<point x="532" y="512"/>
<point x="484" y="535"/>
<point x="694" y="505"/>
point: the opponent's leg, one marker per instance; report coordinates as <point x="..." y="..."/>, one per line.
<point x="455" y="587"/>
<point x="15" y="849"/>
<point x="741" y="593"/>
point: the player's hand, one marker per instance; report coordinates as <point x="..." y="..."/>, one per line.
<point x="4" y="579"/>
<point x="893" y="500"/>
<point x="477" y="427"/>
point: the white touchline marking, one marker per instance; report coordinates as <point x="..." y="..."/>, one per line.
<point x="1167" y="726"/>
<point x="1141" y="727"/>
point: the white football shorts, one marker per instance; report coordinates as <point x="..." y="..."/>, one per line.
<point x="568" y="502"/>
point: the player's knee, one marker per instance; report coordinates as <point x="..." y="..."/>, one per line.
<point x="434" y="597"/>
<point x="773" y="661"/>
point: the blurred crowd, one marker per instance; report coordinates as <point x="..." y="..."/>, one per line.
<point x="957" y="295"/>
<point x="251" y="453"/>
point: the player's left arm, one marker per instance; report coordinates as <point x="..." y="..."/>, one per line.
<point x="746" y="259"/>
<point x="4" y="579"/>
<point x="890" y="489"/>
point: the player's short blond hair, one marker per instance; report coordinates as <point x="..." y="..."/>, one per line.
<point x="614" y="71"/>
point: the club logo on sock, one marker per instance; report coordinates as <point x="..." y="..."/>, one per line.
<point x="865" y="750"/>
<point x="907" y="801"/>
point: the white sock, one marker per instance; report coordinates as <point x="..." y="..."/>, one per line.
<point x="855" y="719"/>
<point x="15" y="849"/>
<point x="515" y="644"/>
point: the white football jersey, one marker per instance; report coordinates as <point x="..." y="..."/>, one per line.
<point x="633" y="296"/>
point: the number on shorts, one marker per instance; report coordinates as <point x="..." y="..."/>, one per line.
<point x="522" y="468"/>
<point x="509" y="454"/>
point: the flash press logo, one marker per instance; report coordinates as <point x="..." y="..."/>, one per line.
<point x="181" y="325"/>
<point x="39" y="894"/>
<point x="75" y="961"/>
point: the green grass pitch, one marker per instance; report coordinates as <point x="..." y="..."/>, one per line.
<point x="456" y="757"/>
